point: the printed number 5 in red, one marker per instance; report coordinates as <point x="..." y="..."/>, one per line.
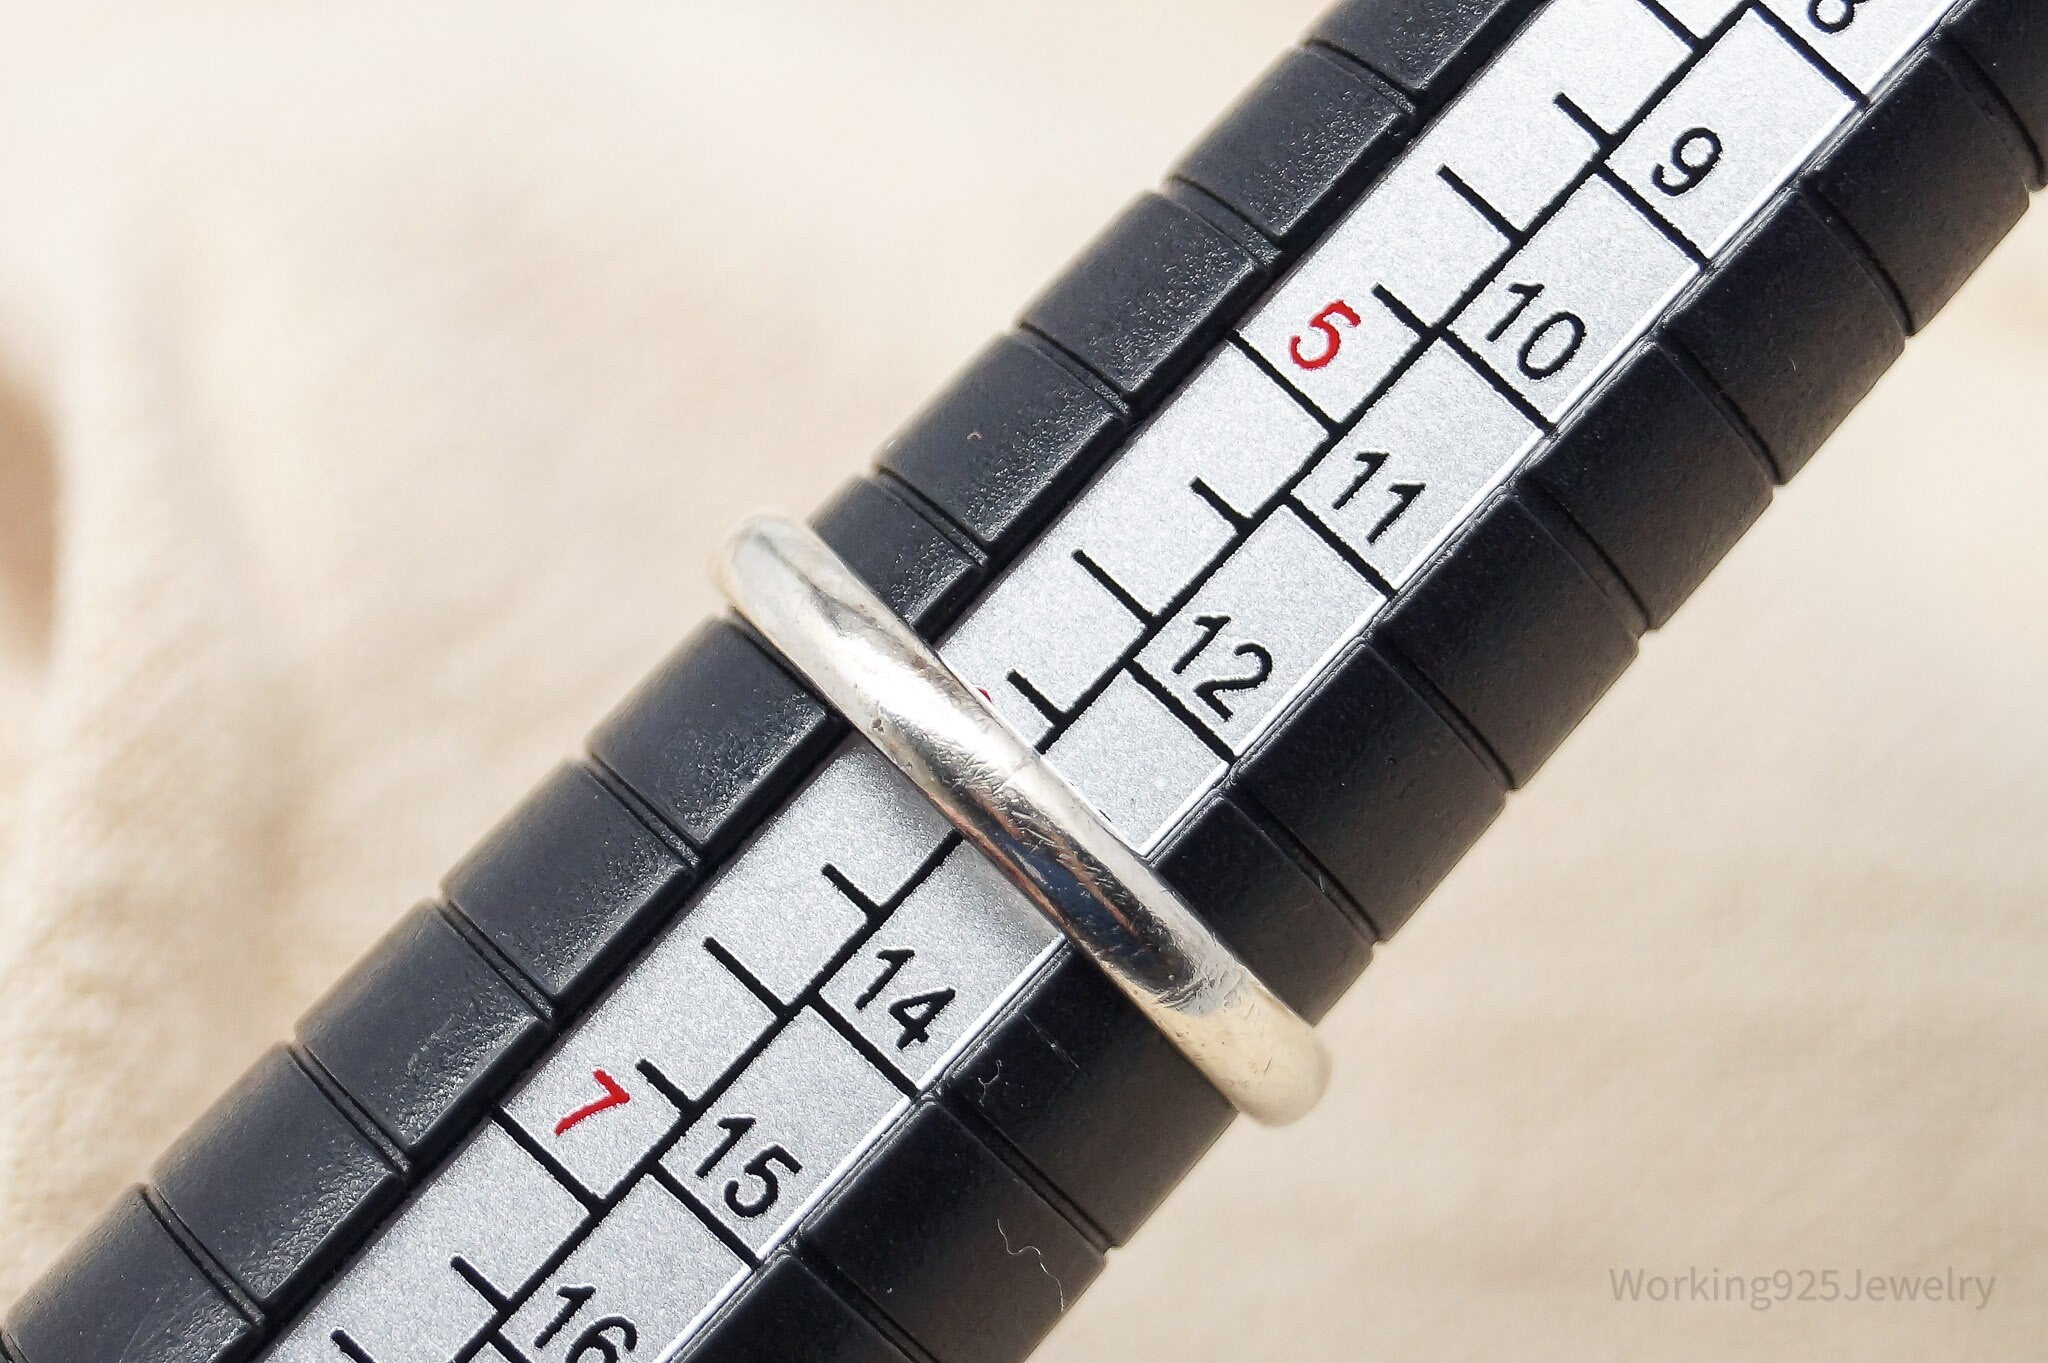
<point x="1333" y="340"/>
<point x="614" y="1096"/>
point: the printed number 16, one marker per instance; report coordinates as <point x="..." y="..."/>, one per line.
<point x="1833" y="16"/>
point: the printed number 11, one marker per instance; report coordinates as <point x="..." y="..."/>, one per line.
<point x="1404" y="494"/>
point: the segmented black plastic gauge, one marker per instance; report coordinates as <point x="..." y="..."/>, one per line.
<point x="1296" y="523"/>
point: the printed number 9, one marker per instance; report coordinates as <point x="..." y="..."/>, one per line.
<point x="1333" y="340"/>
<point x="1833" y="16"/>
<point x="1693" y="157"/>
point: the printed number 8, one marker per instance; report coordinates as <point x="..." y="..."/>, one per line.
<point x="1843" y="13"/>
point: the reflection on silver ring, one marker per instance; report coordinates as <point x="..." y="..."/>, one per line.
<point x="1008" y="801"/>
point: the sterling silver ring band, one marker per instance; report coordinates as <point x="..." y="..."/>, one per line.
<point x="1008" y="801"/>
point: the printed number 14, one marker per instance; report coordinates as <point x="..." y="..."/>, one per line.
<point x="914" y="1015"/>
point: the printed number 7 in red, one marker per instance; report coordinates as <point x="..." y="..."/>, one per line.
<point x="1333" y="340"/>
<point x="614" y="1096"/>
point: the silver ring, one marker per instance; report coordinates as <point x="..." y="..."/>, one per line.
<point x="1011" y="804"/>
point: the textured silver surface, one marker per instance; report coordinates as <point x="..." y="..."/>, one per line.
<point x="403" y="1301"/>
<point x="1275" y="611"/>
<point x="1050" y="621"/>
<point x="1507" y="137"/>
<point x="1415" y="237"/>
<point x="1137" y="763"/>
<point x="970" y="937"/>
<point x="809" y="1096"/>
<point x="1722" y="142"/>
<point x="1143" y="525"/>
<point x="639" y="1282"/>
<point x="595" y="1065"/>
<point x="1604" y="273"/>
<point x="1701" y="16"/>
<point x="1441" y="428"/>
<point x="777" y="911"/>
<point x="1232" y="428"/>
<point x="1862" y="39"/>
<point x="680" y="1011"/>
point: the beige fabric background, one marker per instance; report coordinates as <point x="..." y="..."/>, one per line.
<point x="377" y="378"/>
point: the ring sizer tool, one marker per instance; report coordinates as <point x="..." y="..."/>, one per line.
<point x="1010" y="803"/>
<point x="1291" y="527"/>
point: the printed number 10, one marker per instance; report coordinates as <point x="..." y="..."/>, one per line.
<point x="1552" y="343"/>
